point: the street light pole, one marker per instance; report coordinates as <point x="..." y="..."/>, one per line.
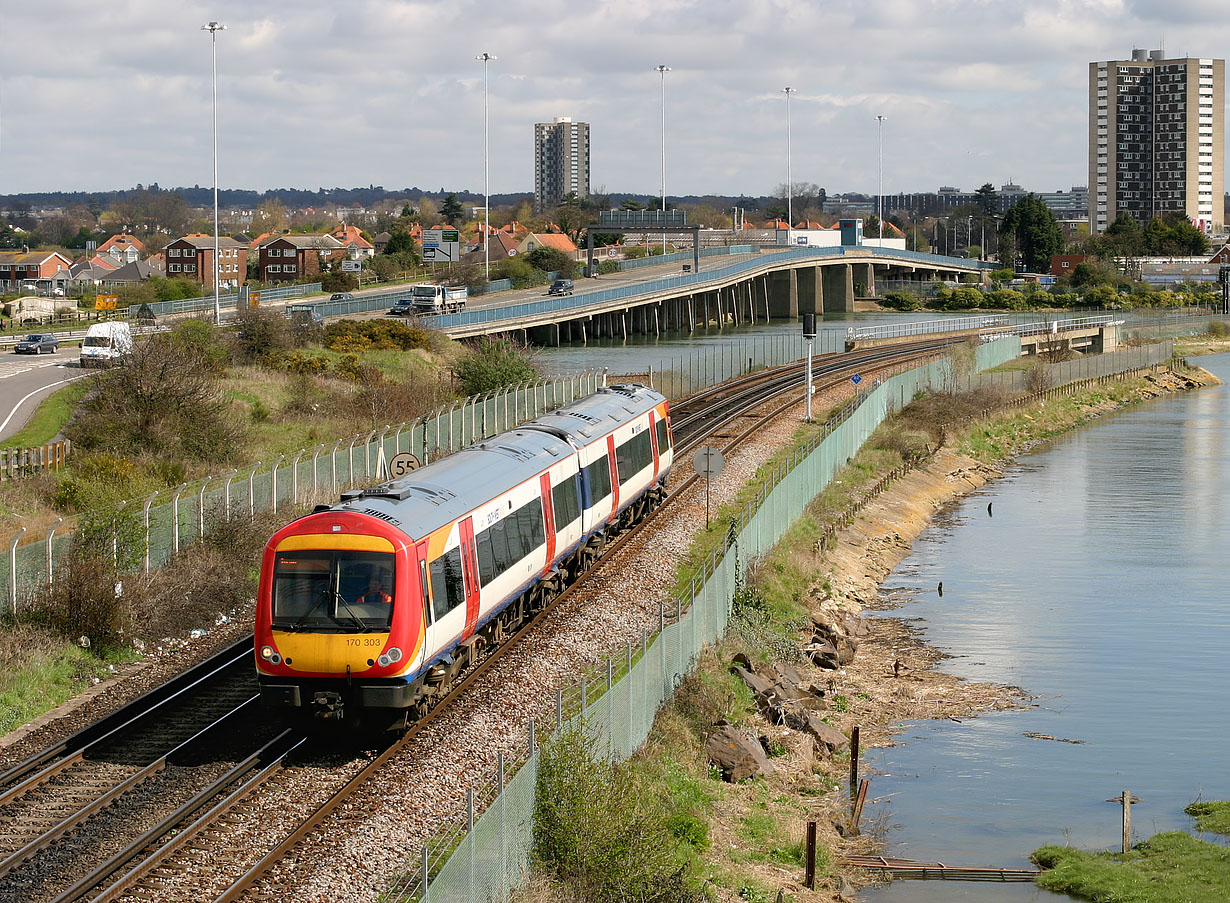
<point x="213" y="28"/>
<point x="880" y="195"/>
<point x="662" y="70"/>
<point x="789" y="173"/>
<point x="486" y="58"/>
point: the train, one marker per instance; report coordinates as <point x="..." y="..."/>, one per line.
<point x="369" y="609"/>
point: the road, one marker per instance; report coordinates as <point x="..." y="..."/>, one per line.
<point x="26" y="380"/>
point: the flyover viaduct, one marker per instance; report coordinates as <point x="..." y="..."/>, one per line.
<point x="771" y="284"/>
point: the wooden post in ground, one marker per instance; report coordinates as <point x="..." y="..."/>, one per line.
<point x="854" y="758"/>
<point x="857" y="814"/>
<point x="809" y="875"/>
<point x="1126" y="799"/>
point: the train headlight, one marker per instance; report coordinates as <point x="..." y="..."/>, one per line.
<point x="269" y="654"/>
<point x="383" y="660"/>
<point x="394" y="654"/>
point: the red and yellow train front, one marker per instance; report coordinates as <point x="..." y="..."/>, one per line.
<point x="339" y="618"/>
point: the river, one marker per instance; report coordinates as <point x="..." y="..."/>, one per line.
<point x="1095" y="582"/>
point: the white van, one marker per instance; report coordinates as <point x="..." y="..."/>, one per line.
<point x="106" y="344"/>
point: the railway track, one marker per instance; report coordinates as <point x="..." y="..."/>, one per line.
<point x="192" y="786"/>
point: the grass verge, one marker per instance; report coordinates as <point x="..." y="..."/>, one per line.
<point x="50" y="417"/>
<point x="1172" y="867"/>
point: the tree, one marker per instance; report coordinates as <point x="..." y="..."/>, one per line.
<point x="270" y="216"/>
<point x="1125" y="236"/>
<point x="399" y="242"/>
<point x="549" y="260"/>
<point x="1033" y="232"/>
<point x="429" y="213"/>
<point x="451" y="210"/>
<point x="988" y="200"/>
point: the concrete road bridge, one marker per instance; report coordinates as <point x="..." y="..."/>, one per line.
<point x="759" y="286"/>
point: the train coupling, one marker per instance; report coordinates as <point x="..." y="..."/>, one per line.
<point x="327" y="705"/>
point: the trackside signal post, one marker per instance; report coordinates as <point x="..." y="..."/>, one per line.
<point x="809" y="333"/>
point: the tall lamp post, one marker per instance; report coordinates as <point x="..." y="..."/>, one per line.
<point x="662" y="70"/>
<point x="213" y="28"/>
<point x="486" y="58"/>
<point x="880" y="195"/>
<point x="789" y="175"/>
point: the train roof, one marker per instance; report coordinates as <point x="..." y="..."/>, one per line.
<point x="595" y="415"/>
<point x="445" y="490"/>
<point x="441" y="492"/>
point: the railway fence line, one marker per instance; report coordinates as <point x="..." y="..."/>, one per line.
<point x="617" y="702"/>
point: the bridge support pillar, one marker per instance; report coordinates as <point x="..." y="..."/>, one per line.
<point x="838" y="283"/>
<point x="810" y="289"/>
<point x="864" y="279"/>
<point x="783" y="290"/>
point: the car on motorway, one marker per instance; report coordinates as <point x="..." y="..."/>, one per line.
<point x="401" y="309"/>
<point x="560" y="287"/>
<point x="341" y="296"/>
<point x="37" y="343"/>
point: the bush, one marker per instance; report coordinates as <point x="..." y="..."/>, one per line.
<point x="362" y="335"/>
<point x="338" y="282"/>
<point x="84" y="602"/>
<point x="1219" y="328"/>
<point x="495" y="364"/>
<point x="902" y="301"/>
<point x="260" y="334"/>
<point x="603" y="832"/>
<point x="607" y="267"/>
<point x="166" y="402"/>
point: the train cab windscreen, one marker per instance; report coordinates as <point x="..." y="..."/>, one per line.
<point x="333" y="591"/>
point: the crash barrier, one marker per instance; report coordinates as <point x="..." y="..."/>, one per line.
<point x="483" y="857"/>
<point x="173" y="519"/>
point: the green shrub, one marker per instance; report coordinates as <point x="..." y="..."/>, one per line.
<point x="607" y="267"/>
<point x="495" y="363"/>
<point x="604" y="833"/>
<point x="902" y="301"/>
<point x="1219" y="328"/>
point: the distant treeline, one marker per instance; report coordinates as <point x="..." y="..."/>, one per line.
<point x="299" y="198"/>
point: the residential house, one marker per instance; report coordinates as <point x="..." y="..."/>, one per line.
<point x="352" y="239"/>
<point x="192" y="257"/>
<point x="130" y="274"/>
<point x="48" y="268"/>
<point x="1064" y="264"/>
<point x="285" y="258"/>
<point x="123" y="248"/>
<point x="535" y="240"/>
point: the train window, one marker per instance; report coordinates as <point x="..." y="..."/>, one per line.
<point x="633" y="456"/>
<point x="664" y="442"/>
<point x="447" y="589"/>
<point x="565" y="503"/>
<point x="598" y="479"/>
<point x="333" y="590"/>
<point x="509" y="540"/>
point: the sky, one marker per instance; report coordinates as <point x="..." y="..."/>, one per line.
<point x="311" y="94"/>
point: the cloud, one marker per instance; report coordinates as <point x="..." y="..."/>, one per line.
<point x="313" y="93"/>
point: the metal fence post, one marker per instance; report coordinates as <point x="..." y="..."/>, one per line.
<point x="294" y="477"/>
<point x="13" y="571"/>
<point x="273" y="483"/>
<point x="149" y="501"/>
<point x="504" y="882"/>
<point x="472" y="894"/>
<point x="175" y="517"/>
<point x="51" y="535"/>
<point x="252" y="490"/>
<point x="200" y="508"/>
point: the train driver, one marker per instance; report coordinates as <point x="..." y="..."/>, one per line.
<point x="377" y="592"/>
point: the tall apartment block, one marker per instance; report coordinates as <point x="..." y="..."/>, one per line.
<point x="1156" y="130"/>
<point x="561" y="161"/>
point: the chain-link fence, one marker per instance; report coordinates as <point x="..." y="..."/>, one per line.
<point x="1093" y="366"/>
<point x="484" y="858"/>
<point x="171" y="520"/>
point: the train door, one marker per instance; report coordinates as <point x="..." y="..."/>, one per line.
<point x="610" y="457"/>
<point x="548" y="516"/>
<point x="469" y="564"/>
<point x="653" y="439"/>
<point x="423" y="601"/>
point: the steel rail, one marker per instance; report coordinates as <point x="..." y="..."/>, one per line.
<point x="130" y="714"/>
<point x="111" y="796"/>
<point x="281" y="747"/>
